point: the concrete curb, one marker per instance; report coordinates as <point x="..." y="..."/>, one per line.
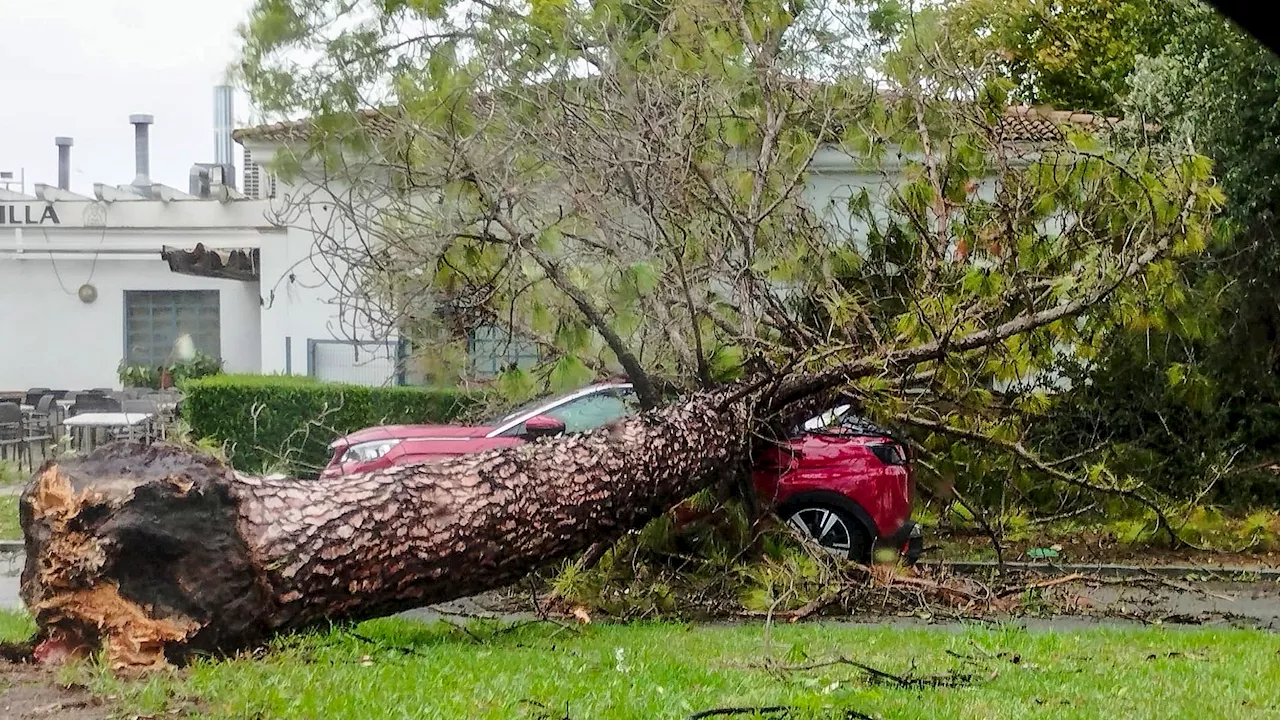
<point x="1222" y="572"/>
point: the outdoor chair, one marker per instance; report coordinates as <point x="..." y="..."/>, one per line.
<point x="34" y="395"/>
<point x="12" y="442"/>
<point x="95" y="404"/>
<point x="40" y="429"/>
<point x="169" y="405"/>
<point x="145" y="432"/>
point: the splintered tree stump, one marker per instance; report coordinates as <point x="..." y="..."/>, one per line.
<point x="153" y="553"/>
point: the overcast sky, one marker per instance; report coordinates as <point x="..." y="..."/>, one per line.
<point x="81" y="67"/>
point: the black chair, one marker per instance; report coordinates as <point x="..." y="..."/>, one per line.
<point x="12" y="441"/>
<point x="34" y="395"/>
<point x="88" y="403"/>
<point x="41" y="428"/>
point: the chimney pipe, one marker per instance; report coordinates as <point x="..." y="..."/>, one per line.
<point x="64" y="162"/>
<point x="142" y="149"/>
<point x="223" y="124"/>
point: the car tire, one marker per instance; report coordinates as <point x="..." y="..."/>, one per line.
<point x="833" y="529"/>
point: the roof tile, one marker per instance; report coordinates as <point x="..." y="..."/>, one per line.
<point x="1021" y="123"/>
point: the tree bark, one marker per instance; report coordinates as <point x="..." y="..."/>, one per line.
<point x="155" y="552"/>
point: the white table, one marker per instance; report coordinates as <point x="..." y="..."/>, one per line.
<point x="85" y="425"/>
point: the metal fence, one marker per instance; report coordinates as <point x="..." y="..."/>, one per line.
<point x="374" y="364"/>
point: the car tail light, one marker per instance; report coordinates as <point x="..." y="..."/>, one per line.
<point x="889" y="454"/>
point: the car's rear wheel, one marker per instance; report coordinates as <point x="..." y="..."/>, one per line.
<point x="832" y="529"/>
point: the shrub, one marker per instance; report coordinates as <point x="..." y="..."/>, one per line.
<point x="271" y="423"/>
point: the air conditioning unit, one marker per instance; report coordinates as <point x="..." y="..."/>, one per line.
<point x="206" y="176"/>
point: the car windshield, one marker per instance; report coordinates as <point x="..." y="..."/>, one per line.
<point x="841" y="420"/>
<point x="526" y="408"/>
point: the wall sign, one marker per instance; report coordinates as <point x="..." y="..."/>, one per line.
<point x="28" y="214"/>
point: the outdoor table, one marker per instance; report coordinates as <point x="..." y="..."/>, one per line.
<point x="86" y="424"/>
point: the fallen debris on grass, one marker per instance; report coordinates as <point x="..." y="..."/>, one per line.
<point x="881" y="677"/>
<point x="774" y="711"/>
<point x="928" y="592"/>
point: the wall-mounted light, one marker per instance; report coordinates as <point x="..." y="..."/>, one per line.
<point x="87" y="293"/>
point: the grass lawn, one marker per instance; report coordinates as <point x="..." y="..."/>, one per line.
<point x="9" y="527"/>
<point x="402" y="669"/>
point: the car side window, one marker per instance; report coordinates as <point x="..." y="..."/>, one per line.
<point x="595" y="411"/>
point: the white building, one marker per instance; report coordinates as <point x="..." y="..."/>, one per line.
<point x="90" y="282"/>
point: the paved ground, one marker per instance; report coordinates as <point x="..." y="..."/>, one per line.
<point x="10" y="567"/>
<point x="1252" y="604"/>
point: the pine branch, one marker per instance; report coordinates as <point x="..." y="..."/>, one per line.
<point x="1030" y="459"/>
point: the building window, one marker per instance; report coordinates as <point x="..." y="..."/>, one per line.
<point x="492" y="350"/>
<point x="155" y="319"/>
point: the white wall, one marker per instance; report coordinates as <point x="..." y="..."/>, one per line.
<point x="301" y="297"/>
<point x="298" y="302"/>
<point x="52" y="339"/>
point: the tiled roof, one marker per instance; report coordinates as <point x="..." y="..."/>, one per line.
<point x="379" y="122"/>
<point x="1034" y="125"/>
<point x="1020" y="124"/>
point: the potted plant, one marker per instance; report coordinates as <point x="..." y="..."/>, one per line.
<point x="183" y="363"/>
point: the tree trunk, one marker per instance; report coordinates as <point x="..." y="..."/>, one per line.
<point x="156" y="552"/>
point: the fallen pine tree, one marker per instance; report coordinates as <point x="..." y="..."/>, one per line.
<point x="156" y="552"/>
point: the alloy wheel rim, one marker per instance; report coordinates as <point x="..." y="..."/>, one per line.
<point x="824" y="527"/>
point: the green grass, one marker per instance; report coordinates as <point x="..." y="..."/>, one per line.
<point x="15" y="626"/>
<point x="411" y="670"/>
<point x="10" y="477"/>
<point x="10" y="474"/>
<point x="9" y="527"/>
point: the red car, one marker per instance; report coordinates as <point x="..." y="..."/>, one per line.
<point x="839" y="480"/>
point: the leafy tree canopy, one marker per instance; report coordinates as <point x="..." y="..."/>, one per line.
<point x="808" y="194"/>
<point x="1071" y="54"/>
<point x="1193" y="406"/>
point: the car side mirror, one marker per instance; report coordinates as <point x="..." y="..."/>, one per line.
<point x="542" y="426"/>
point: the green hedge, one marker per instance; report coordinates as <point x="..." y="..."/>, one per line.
<point x="284" y="424"/>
